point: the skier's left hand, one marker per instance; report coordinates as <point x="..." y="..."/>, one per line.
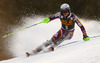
<point x="86" y="38"/>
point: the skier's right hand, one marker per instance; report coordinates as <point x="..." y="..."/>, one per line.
<point x="46" y="20"/>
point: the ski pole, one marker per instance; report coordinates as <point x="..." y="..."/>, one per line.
<point x="46" y="20"/>
<point x="95" y="36"/>
<point x="21" y="30"/>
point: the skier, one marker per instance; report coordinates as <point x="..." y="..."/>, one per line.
<point x="68" y="21"/>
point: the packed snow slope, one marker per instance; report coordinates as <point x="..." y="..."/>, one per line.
<point x="71" y="51"/>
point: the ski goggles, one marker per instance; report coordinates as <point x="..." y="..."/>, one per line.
<point x="65" y="11"/>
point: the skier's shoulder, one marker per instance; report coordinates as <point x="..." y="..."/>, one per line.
<point x="73" y="15"/>
<point x="57" y="14"/>
<point x="54" y="16"/>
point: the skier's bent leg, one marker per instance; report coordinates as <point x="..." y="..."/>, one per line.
<point x="58" y="38"/>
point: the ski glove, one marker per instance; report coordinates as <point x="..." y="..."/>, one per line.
<point x="46" y="20"/>
<point x="86" y="38"/>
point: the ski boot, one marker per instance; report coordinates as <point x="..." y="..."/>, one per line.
<point x="27" y="54"/>
<point x="51" y="48"/>
<point x="31" y="53"/>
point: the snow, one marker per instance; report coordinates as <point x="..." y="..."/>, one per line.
<point x="75" y="51"/>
